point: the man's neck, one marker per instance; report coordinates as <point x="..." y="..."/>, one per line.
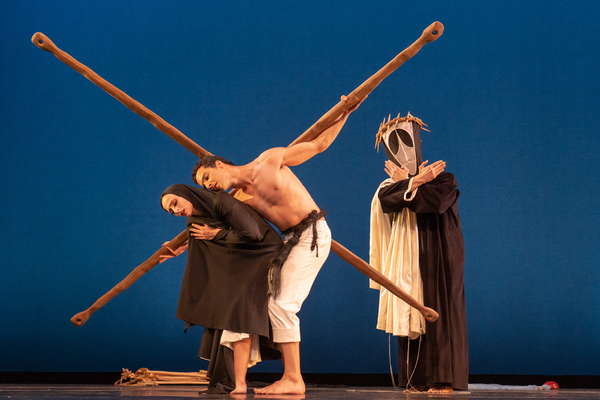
<point x="241" y="178"/>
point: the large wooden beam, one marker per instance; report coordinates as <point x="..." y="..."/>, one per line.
<point x="430" y="34"/>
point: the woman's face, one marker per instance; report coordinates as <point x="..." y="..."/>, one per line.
<point x="177" y="205"/>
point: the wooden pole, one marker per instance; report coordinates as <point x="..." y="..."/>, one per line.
<point x="431" y="33"/>
<point x="361" y="265"/>
<point x="44" y="43"/>
<point x="81" y="318"/>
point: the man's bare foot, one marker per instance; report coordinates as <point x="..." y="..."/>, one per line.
<point x="283" y="386"/>
<point x="272" y="386"/>
<point x="441" y="389"/>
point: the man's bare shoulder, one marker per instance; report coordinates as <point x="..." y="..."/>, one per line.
<point x="272" y="155"/>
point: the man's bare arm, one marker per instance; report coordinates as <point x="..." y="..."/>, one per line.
<point x="301" y="152"/>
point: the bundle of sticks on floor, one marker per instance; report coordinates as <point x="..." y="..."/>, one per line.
<point x="145" y="377"/>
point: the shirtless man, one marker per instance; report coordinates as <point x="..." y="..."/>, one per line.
<point x="268" y="185"/>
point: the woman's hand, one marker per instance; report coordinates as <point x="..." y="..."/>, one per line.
<point x="203" y="232"/>
<point x="174" y="253"/>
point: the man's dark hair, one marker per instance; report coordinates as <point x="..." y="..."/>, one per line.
<point x="208" y="162"/>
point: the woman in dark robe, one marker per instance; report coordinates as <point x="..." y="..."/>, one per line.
<point x="225" y="283"/>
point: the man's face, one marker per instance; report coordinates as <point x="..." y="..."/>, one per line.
<point x="213" y="178"/>
<point x="177" y="205"/>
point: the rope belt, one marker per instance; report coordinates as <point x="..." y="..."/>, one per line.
<point x="296" y="231"/>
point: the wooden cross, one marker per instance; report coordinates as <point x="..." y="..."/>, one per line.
<point x="431" y="33"/>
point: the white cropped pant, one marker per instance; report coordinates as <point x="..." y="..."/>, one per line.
<point x="297" y="276"/>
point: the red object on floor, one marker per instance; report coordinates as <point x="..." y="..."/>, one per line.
<point x="552" y="384"/>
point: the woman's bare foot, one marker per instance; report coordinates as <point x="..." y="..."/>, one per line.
<point x="283" y="386"/>
<point x="240" y="388"/>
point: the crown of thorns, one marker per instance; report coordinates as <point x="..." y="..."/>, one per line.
<point x="385" y="126"/>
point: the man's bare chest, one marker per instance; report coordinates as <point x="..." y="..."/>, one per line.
<point x="266" y="193"/>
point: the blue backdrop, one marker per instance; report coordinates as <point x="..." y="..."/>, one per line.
<point x="509" y="92"/>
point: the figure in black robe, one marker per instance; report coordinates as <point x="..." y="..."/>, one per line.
<point x="225" y="283"/>
<point x="444" y="347"/>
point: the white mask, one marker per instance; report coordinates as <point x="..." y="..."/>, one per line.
<point x="402" y="142"/>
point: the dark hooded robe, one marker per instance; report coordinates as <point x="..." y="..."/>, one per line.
<point x="441" y="261"/>
<point x="225" y="283"/>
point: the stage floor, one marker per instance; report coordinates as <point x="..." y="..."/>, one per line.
<point x="100" y="392"/>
